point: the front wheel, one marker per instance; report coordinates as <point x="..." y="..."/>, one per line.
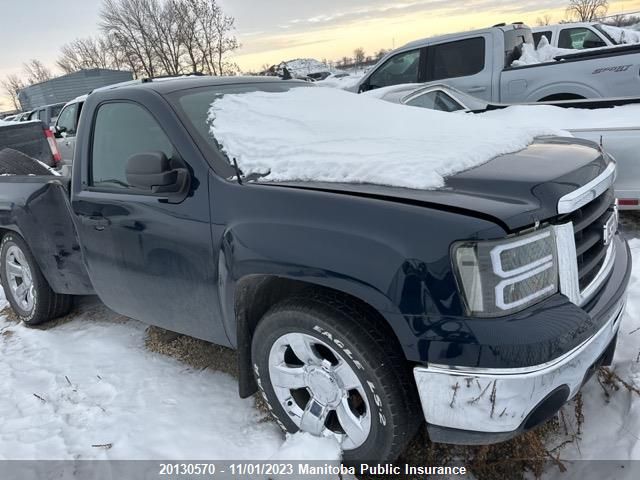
<point x="326" y="368"/>
<point x="26" y="289"/>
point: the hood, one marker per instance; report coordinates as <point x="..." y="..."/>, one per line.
<point x="513" y="190"/>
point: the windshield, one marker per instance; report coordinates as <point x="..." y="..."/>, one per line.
<point x="606" y="35"/>
<point x="193" y="107"/>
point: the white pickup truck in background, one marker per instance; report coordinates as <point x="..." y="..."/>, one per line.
<point x="585" y="35"/>
<point x="480" y="63"/>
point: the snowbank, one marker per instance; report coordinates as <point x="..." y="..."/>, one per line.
<point x="89" y="389"/>
<point x="566" y="118"/>
<point x="301" y="67"/>
<point x="544" y="53"/>
<point x="340" y="81"/>
<point x="328" y="135"/>
<point x="622" y="35"/>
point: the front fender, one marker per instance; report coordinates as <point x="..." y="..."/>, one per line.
<point x="257" y="249"/>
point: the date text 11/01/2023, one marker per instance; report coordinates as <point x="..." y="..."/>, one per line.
<point x="302" y="469"/>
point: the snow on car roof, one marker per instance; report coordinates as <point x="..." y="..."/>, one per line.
<point x="329" y="135"/>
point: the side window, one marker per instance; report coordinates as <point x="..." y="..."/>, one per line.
<point x="33" y="115"/>
<point x="402" y="68"/>
<point x="456" y="59"/>
<point x="120" y="131"/>
<point x="55" y="112"/>
<point x="67" y="119"/>
<point x="537" y="36"/>
<point x="579" y="38"/>
<point x="435" y="100"/>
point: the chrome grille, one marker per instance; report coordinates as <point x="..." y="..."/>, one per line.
<point x="584" y="232"/>
<point x="588" y="227"/>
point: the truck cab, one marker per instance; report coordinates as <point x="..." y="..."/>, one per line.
<point x="357" y="309"/>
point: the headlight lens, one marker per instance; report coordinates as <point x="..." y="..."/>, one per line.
<point x="505" y="276"/>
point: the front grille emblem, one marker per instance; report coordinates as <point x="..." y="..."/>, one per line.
<point x="610" y="227"/>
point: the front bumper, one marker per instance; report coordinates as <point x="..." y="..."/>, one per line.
<point x="478" y="406"/>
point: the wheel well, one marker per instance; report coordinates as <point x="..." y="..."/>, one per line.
<point x="257" y="294"/>
<point x="561" y="96"/>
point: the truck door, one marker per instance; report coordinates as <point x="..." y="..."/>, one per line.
<point x="464" y="64"/>
<point x="147" y="258"/>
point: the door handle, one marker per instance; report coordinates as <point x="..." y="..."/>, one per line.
<point x="476" y="89"/>
<point x="97" y="221"/>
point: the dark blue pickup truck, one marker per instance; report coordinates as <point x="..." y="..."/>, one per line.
<point x="357" y="310"/>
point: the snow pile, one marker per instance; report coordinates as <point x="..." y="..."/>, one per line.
<point x="544" y="53"/>
<point x="626" y="116"/>
<point x="622" y="35"/>
<point x="341" y="81"/>
<point x="88" y="389"/>
<point x="305" y="447"/>
<point x="328" y="135"/>
<point x="301" y="67"/>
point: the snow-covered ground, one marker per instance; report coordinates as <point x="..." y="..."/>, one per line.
<point x="89" y="389"/>
<point x="328" y="135"/>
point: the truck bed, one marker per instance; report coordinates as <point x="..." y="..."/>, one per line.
<point x="37" y="208"/>
<point x="28" y="138"/>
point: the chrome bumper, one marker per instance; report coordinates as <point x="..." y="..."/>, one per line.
<point x="499" y="401"/>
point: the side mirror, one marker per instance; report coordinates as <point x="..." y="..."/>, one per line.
<point x="58" y="131"/>
<point x="154" y="172"/>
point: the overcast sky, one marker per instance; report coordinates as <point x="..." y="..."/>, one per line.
<point x="275" y="30"/>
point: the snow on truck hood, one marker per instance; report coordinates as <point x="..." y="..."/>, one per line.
<point x="328" y="135"/>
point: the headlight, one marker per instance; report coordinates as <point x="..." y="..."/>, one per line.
<point x="505" y="276"/>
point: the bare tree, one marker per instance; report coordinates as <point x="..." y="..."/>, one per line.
<point x="84" y="53"/>
<point x="587" y="10"/>
<point x="127" y="22"/>
<point x="544" y="20"/>
<point x="380" y="53"/>
<point x="35" y="72"/>
<point x="154" y="37"/>
<point x="12" y="85"/>
<point x="358" y="56"/>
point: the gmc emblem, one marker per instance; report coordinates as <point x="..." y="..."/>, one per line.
<point x="610" y="228"/>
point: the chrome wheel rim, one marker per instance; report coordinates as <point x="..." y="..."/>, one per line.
<point x="319" y="390"/>
<point x="19" y="279"/>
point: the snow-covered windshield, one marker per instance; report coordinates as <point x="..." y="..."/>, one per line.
<point x="329" y="135"/>
<point x="194" y="103"/>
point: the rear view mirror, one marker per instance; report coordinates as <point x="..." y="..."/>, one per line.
<point x="154" y="172"/>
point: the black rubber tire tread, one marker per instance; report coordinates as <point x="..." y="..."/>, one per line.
<point x="48" y="304"/>
<point x="375" y="342"/>
<point x="13" y="162"/>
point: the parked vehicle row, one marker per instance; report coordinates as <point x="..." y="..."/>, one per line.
<point x="47" y="114"/>
<point x="484" y="319"/>
<point x="480" y="63"/>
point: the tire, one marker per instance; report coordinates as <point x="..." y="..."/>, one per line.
<point x="13" y="162"/>
<point x="335" y="335"/>
<point x="18" y="267"/>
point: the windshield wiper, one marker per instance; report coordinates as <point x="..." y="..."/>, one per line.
<point x="252" y="177"/>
